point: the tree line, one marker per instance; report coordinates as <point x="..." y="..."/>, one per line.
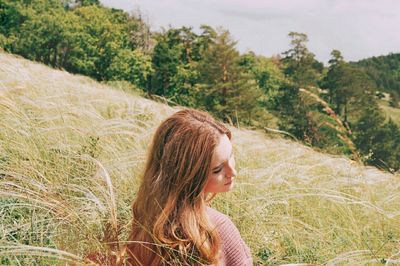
<point x="333" y="108"/>
<point x="385" y="71"/>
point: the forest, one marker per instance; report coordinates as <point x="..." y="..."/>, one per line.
<point x="334" y="107"/>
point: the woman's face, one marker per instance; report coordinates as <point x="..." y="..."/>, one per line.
<point x="222" y="172"/>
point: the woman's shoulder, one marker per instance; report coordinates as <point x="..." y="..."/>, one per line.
<point x="223" y="223"/>
<point x="234" y="250"/>
<point x="217" y="217"/>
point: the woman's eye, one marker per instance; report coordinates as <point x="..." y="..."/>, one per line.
<point x="217" y="171"/>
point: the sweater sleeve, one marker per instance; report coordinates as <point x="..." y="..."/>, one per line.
<point x="234" y="250"/>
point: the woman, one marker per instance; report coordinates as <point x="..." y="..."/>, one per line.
<point x="190" y="160"/>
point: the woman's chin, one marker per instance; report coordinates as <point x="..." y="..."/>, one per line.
<point x="229" y="186"/>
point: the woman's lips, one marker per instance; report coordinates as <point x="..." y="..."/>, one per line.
<point x="228" y="183"/>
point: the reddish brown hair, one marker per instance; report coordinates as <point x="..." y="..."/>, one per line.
<point x="170" y="224"/>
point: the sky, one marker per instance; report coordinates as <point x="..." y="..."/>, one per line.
<point x="358" y="28"/>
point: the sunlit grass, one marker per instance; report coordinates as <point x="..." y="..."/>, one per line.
<point x="71" y="152"/>
<point x="390" y="112"/>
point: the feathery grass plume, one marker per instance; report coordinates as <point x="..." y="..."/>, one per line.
<point x="41" y="252"/>
<point x="71" y="152"/>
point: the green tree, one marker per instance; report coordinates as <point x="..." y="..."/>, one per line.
<point x="303" y="113"/>
<point x="266" y="71"/>
<point x="87" y="39"/>
<point x="42" y="38"/>
<point x="88" y="2"/>
<point x="175" y="57"/>
<point x="378" y="142"/>
<point x="226" y="88"/>
<point x="299" y="63"/>
<point x="138" y="32"/>
<point x="133" y="66"/>
<point x="20" y="22"/>
<point x="294" y="114"/>
<point x="348" y="86"/>
<point x="394" y="99"/>
<point x="100" y="38"/>
<point x="351" y="91"/>
<point x="12" y="15"/>
<point x="383" y="70"/>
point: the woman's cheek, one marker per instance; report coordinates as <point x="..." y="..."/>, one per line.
<point x="220" y="177"/>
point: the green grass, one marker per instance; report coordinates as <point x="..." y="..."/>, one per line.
<point x="390" y="112"/>
<point x="71" y="152"/>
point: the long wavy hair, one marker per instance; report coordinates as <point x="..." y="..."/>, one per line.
<point x="170" y="225"/>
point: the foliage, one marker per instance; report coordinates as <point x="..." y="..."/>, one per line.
<point x="103" y="37"/>
<point x="174" y="60"/>
<point x="299" y="114"/>
<point x="351" y="90"/>
<point x="293" y="114"/>
<point x="299" y="63"/>
<point x="377" y="141"/>
<point x="42" y="38"/>
<point x="133" y="66"/>
<point x="305" y="119"/>
<point x="226" y="87"/>
<point x="394" y="100"/>
<point x="266" y="71"/>
<point x="86" y="39"/>
<point x="346" y="85"/>
<point x="383" y="70"/>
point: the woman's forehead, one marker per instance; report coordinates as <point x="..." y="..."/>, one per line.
<point x="222" y="151"/>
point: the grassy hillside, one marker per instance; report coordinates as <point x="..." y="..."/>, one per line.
<point x="72" y="150"/>
<point x="384" y="70"/>
<point x="390" y="112"/>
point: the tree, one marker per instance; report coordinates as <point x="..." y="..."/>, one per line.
<point x="87" y="39"/>
<point x="138" y="32"/>
<point x="300" y="64"/>
<point x="12" y="15"/>
<point x="296" y="113"/>
<point x="72" y="4"/>
<point x="394" y="99"/>
<point x="377" y="141"/>
<point x="133" y="66"/>
<point x="266" y="71"/>
<point x="226" y="88"/>
<point x="175" y="57"/>
<point x="216" y="70"/>
<point x="383" y="70"/>
<point x="348" y="86"/>
<point x="103" y="36"/>
<point x="42" y="37"/>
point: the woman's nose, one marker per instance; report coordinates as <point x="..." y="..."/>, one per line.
<point x="234" y="173"/>
<point x="231" y="169"/>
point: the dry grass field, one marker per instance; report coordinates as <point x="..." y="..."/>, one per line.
<point x="72" y="150"/>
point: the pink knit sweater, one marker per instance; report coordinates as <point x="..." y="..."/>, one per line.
<point x="234" y="250"/>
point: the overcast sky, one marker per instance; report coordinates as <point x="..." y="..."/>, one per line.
<point x="358" y="28"/>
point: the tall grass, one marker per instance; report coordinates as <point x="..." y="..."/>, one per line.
<point x="390" y="112"/>
<point x="71" y="152"/>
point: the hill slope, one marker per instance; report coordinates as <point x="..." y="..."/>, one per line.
<point x="390" y="112"/>
<point x="71" y="153"/>
<point x="384" y="70"/>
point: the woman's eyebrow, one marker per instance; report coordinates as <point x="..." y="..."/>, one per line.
<point x="215" y="168"/>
